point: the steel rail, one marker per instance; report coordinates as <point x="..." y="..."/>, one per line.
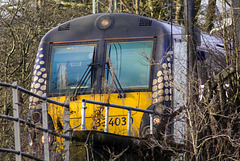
<point x="34" y="94"/>
<point x="22" y="153"/>
<point x="118" y="106"/>
<point x="34" y="126"/>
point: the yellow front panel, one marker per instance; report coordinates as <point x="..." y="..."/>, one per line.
<point x="95" y="114"/>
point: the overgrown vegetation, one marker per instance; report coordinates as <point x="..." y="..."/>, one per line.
<point x="23" y="24"/>
<point x="212" y="122"/>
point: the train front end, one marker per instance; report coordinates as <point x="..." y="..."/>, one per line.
<point x="115" y="58"/>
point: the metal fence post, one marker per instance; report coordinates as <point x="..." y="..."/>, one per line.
<point x="106" y="118"/>
<point x="66" y="131"/>
<point x="16" y="123"/>
<point x="129" y="123"/>
<point x="151" y="123"/>
<point x="45" y="125"/>
<point x="83" y="115"/>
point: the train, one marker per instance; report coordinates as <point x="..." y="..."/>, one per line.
<point x="122" y="59"/>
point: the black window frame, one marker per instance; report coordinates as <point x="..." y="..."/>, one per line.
<point x="50" y="57"/>
<point x="153" y="53"/>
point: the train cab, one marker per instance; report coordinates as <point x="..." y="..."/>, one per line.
<point x="117" y="58"/>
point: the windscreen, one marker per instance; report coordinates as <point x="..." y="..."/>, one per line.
<point x="68" y="66"/>
<point x="130" y="62"/>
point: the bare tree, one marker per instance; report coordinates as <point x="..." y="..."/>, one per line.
<point x="211" y="10"/>
<point x="23" y="24"/>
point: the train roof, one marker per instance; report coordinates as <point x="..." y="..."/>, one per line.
<point x="122" y="25"/>
<point x="125" y="25"/>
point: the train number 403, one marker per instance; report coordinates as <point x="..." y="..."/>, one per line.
<point x="117" y="121"/>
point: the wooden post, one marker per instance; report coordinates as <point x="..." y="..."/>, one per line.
<point x="191" y="66"/>
<point x="191" y="48"/>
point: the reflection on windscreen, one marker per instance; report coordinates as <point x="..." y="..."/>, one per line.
<point x="130" y="63"/>
<point x="68" y="65"/>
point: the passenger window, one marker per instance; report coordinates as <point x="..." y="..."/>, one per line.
<point x="130" y="63"/>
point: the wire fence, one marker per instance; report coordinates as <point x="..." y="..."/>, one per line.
<point x="17" y="128"/>
<point x="44" y="128"/>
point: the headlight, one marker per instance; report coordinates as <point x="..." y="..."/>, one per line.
<point x="104" y="22"/>
<point x="36" y="116"/>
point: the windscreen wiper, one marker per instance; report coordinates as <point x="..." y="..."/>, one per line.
<point x="116" y="82"/>
<point x="83" y="81"/>
<point x="85" y="77"/>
